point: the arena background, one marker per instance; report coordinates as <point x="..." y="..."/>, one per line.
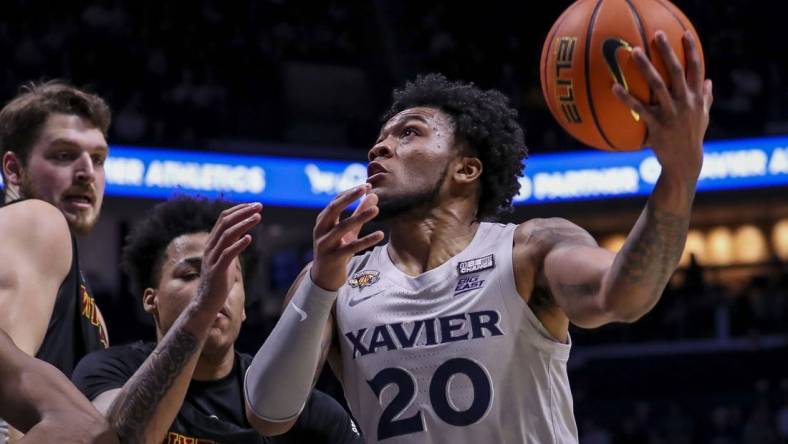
<point x="309" y="80"/>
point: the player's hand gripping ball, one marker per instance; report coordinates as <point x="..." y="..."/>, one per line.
<point x="589" y="48"/>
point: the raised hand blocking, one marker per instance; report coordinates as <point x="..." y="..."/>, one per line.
<point x="227" y="240"/>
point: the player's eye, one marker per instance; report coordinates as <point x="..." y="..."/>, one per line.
<point x="63" y="156"/>
<point x="190" y="275"/>
<point x="409" y="131"/>
<point x="98" y="160"/>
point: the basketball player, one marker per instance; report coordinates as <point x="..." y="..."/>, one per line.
<point x="163" y="257"/>
<point x="53" y="139"/>
<point x="456" y="330"/>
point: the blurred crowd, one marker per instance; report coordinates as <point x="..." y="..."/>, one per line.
<point x="759" y="423"/>
<point x="700" y="303"/>
<point x="224" y="75"/>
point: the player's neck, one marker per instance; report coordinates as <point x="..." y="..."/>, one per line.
<point x="419" y="244"/>
<point x="211" y="367"/>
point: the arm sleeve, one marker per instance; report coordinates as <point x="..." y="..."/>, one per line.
<point x="106" y="369"/>
<point x="278" y="382"/>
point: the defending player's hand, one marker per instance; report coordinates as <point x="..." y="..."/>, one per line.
<point x="335" y="241"/>
<point x="228" y="238"/>
<point x="678" y="120"/>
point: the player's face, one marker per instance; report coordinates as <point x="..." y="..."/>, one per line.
<point x="65" y="167"/>
<point x="410" y="159"/>
<point x="178" y="285"/>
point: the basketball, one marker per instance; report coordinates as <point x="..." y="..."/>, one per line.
<point x="589" y="48"/>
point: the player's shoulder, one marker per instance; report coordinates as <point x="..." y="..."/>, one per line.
<point x="548" y="232"/>
<point x="38" y="223"/>
<point x="28" y="214"/>
<point x="36" y="233"/>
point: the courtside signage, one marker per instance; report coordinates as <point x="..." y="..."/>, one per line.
<point x="299" y="182"/>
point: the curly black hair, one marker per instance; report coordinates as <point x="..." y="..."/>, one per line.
<point x="143" y="252"/>
<point x="484" y="123"/>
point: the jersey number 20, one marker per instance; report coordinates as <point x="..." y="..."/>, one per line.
<point x="388" y="426"/>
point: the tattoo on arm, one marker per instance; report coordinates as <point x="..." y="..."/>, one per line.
<point x="653" y="254"/>
<point x="137" y="403"/>
<point x="580" y="290"/>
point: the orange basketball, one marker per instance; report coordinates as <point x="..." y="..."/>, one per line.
<point x="588" y="49"/>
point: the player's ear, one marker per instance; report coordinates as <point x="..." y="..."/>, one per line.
<point x="12" y="168"/>
<point x="243" y="314"/>
<point x="468" y="169"/>
<point x="150" y="302"/>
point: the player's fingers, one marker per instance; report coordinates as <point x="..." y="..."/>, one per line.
<point x="654" y="80"/>
<point x="693" y="61"/>
<point x="230" y="235"/>
<point x="633" y="103"/>
<point x="329" y="216"/>
<point x="231" y="252"/>
<point x="368" y="201"/>
<point x="230" y="217"/>
<point x="361" y="244"/>
<point x="678" y="82"/>
<point x="351" y="225"/>
<point x="708" y="95"/>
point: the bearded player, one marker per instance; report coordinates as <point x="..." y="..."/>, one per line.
<point x="456" y="330"/>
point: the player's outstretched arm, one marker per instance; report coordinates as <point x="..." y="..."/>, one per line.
<point x="283" y="371"/>
<point x="144" y="408"/>
<point x="594" y="287"/>
<point x="37" y="399"/>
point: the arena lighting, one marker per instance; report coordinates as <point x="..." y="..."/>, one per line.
<point x="719" y="246"/>
<point x="695" y="244"/>
<point x="750" y="245"/>
<point x="613" y="243"/>
<point x="303" y="182"/>
<point x="780" y="239"/>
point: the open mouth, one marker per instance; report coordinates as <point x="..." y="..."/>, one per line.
<point x="375" y="170"/>
<point x="79" y="199"/>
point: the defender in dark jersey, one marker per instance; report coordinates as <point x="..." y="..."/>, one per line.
<point x="54" y="146"/>
<point x="164" y="256"/>
<point x="52" y="138"/>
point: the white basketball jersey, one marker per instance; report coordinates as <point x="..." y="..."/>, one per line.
<point x="453" y="355"/>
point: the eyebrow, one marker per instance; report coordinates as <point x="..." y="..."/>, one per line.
<point x="195" y="261"/>
<point x="404" y="120"/>
<point x="71" y="142"/>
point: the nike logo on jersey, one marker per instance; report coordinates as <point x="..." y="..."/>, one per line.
<point x="356" y="300"/>
<point x="301" y="313"/>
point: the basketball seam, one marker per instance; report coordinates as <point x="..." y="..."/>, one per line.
<point x="662" y="3"/>
<point x="588" y="77"/>
<point x="644" y="38"/>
